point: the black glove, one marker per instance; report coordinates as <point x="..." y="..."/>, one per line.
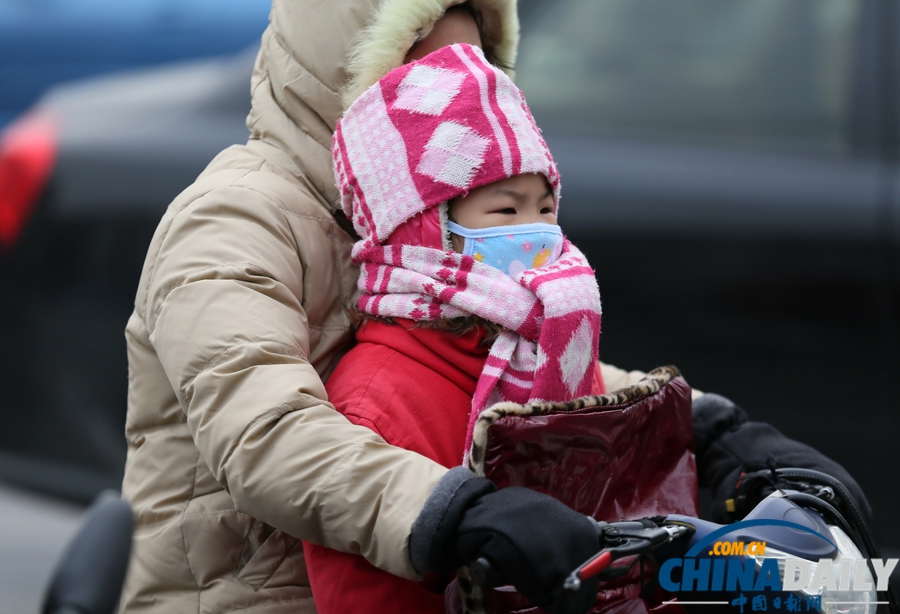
<point x="533" y="540"/>
<point x="728" y="444"/>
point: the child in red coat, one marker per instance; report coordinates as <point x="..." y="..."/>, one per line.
<point x="470" y="294"/>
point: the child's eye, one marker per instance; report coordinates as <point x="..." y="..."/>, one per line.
<point x="546" y="210"/>
<point x="507" y="211"/>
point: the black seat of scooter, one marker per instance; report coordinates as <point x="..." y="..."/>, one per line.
<point x="89" y="577"/>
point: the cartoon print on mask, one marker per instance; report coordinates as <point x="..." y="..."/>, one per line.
<point x="542" y="257"/>
<point x="511" y="248"/>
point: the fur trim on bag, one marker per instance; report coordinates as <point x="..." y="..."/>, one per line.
<point x="649" y="385"/>
<point x="399" y="24"/>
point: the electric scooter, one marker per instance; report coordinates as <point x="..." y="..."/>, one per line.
<point x="804" y="547"/>
<point x="802" y="517"/>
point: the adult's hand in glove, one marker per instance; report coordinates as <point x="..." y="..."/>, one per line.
<point x="533" y="540"/>
<point x="728" y="444"/>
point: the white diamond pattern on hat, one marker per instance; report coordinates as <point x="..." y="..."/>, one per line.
<point x="428" y="90"/>
<point x="453" y="154"/>
<point x="484" y="94"/>
<point x="575" y="358"/>
<point x="378" y="151"/>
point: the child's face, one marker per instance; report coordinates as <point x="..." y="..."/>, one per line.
<point x="523" y="199"/>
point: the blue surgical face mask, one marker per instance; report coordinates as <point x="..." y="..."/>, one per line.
<point x="512" y="249"/>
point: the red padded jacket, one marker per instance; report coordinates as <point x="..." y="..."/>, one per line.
<point x="414" y="387"/>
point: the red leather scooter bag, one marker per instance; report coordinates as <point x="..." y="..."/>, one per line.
<point x="620" y="456"/>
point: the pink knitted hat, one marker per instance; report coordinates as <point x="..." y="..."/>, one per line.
<point x="430" y="131"/>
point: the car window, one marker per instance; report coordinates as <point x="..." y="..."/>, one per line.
<point x="770" y="73"/>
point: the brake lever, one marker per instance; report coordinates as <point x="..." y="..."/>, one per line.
<point x="625" y="542"/>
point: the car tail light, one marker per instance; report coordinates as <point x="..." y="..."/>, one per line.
<point x="27" y="153"/>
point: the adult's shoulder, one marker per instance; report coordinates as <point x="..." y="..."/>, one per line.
<point x="268" y="170"/>
<point x="248" y="210"/>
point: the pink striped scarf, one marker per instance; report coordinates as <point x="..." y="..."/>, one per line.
<point x="552" y="316"/>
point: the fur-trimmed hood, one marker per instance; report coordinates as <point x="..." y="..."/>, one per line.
<point x="317" y="57"/>
<point x="397" y="25"/>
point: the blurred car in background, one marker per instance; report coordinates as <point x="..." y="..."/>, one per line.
<point x="84" y="178"/>
<point x="44" y="42"/>
<point x="730" y="169"/>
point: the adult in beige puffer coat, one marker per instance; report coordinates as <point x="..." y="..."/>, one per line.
<point x="234" y="453"/>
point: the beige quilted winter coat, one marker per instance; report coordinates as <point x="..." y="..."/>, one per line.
<point x="234" y="453"/>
